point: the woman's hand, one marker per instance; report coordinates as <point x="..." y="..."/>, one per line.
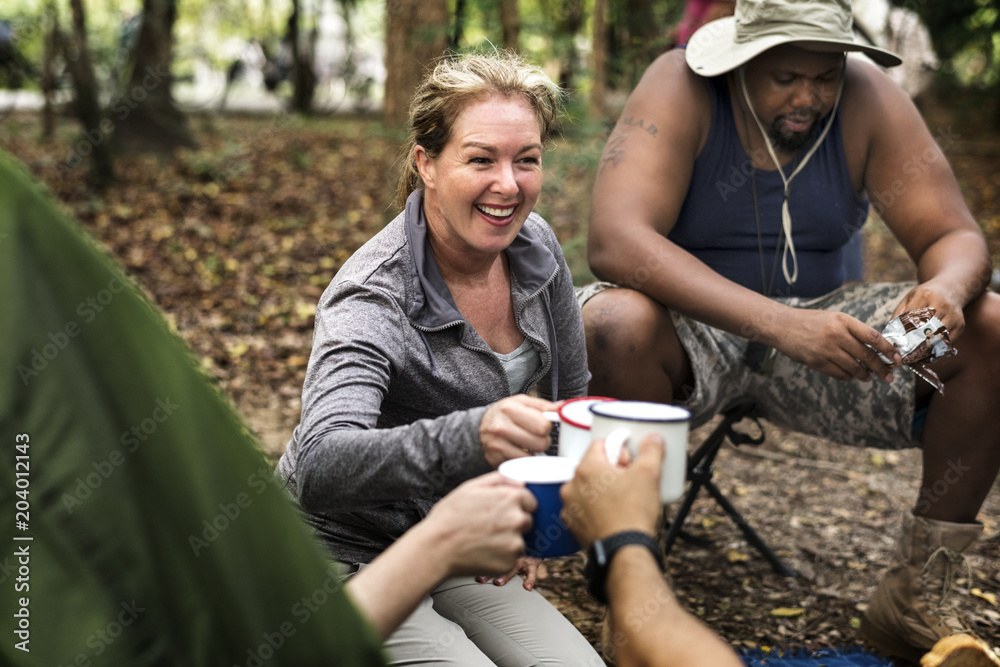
<point x="478" y="527"/>
<point x="525" y="565"/>
<point x="514" y="427"/>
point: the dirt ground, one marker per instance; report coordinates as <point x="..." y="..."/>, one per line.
<point x="236" y="240"/>
<point x="831" y="514"/>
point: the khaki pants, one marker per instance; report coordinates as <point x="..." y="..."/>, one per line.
<point x="469" y="624"/>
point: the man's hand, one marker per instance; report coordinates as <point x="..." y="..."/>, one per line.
<point x="947" y="309"/>
<point x="605" y="498"/>
<point x="477" y="528"/>
<point x="514" y="427"/>
<point x="835" y="344"/>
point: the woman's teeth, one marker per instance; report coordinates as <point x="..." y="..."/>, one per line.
<point x="497" y="212"/>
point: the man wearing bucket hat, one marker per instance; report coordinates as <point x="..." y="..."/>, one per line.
<point x="736" y="173"/>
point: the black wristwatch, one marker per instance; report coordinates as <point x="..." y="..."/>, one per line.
<point x="602" y="551"/>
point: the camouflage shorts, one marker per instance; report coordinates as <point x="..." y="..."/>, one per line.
<point x="792" y="396"/>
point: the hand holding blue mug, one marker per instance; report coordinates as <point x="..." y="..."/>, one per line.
<point x="543" y="476"/>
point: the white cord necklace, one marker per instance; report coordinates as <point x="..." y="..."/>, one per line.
<point x="786" y="217"/>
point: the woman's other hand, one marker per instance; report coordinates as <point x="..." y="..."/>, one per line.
<point x="525" y="565"/>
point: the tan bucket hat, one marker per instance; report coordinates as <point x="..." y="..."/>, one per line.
<point x="758" y="25"/>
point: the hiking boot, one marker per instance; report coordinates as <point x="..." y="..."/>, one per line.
<point x="911" y="609"/>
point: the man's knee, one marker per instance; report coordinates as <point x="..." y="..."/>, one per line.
<point x="981" y="339"/>
<point x="623" y="322"/>
<point x="984" y="314"/>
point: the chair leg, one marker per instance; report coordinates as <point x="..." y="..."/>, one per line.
<point x="751" y="535"/>
<point x="677" y="522"/>
<point x="700" y="473"/>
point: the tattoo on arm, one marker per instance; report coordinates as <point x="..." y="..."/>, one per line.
<point x="614" y="152"/>
<point x="640" y="123"/>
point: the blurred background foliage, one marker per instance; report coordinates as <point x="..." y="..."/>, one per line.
<point x="558" y="34"/>
<point x="966" y="34"/>
<point x="236" y="232"/>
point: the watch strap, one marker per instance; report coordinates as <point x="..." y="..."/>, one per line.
<point x="603" y="550"/>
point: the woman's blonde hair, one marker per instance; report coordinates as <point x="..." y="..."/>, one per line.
<point x="453" y="84"/>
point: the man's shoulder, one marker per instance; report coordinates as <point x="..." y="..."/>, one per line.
<point x="670" y="94"/>
<point x="670" y="70"/>
<point x="869" y="94"/>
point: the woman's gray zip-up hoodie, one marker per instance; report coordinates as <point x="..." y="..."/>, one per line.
<point x="398" y="381"/>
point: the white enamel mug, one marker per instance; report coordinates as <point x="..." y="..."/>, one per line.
<point x="626" y="422"/>
<point x="574" y="425"/>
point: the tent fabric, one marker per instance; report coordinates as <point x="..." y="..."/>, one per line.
<point x="827" y="657"/>
<point x="153" y="530"/>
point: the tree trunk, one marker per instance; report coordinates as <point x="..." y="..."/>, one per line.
<point x="148" y="117"/>
<point x="349" y="68"/>
<point x="510" y="21"/>
<point x="416" y="33"/>
<point x="95" y="141"/>
<point x="996" y="107"/>
<point x="645" y="40"/>
<point x="567" y="25"/>
<point x="600" y="61"/>
<point x="54" y="44"/>
<point x="303" y="75"/>
<point x="459" y="26"/>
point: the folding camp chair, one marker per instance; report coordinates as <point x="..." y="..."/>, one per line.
<point x="700" y="474"/>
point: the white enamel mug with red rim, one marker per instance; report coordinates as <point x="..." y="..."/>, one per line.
<point x="574" y="425"/>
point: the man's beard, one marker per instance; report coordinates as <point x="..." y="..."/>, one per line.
<point x="788" y="142"/>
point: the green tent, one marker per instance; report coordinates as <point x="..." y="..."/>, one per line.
<point x="141" y="524"/>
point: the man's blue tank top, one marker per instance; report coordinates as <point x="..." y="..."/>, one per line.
<point x="717" y="222"/>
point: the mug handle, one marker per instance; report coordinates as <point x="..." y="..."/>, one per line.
<point x="614" y="442"/>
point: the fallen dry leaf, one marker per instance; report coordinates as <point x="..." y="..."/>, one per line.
<point x="989" y="597"/>
<point x="788" y="612"/>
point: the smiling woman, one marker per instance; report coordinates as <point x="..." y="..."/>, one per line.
<point x="426" y="343"/>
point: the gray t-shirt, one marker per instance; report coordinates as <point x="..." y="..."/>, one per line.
<point x="520" y="365"/>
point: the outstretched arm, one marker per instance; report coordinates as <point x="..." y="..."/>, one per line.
<point x="649" y="625"/>
<point x="475" y="529"/>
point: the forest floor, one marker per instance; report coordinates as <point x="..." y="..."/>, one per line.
<point x="235" y="241"/>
